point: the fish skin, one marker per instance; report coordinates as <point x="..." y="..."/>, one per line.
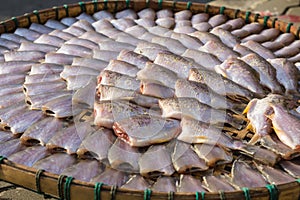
<point x="29" y="156"/>
<point x="127" y="38"/>
<point x="217" y="183"/>
<point x="159" y="74"/>
<point x="55" y="163"/>
<point x="133" y="58"/>
<point x="122" y="67"/>
<point x="86" y="17"/>
<point x="111" y="177"/>
<point x="213" y="154"/>
<point x="105" y="55"/>
<point x="27" y="33"/>
<point x="166" y="22"/>
<point x="103" y="14"/>
<point x="291" y="167"/>
<point x="39" y="78"/>
<point x="43" y="87"/>
<point x="10" y="99"/>
<point x="11" y="79"/>
<point x="164" y="184"/>
<point x="10" y="147"/>
<point x="60" y="34"/>
<point x="173" y="45"/>
<point x="36" y="102"/>
<point x="40" y="28"/>
<point x="96" y="145"/>
<point x="84" y="25"/>
<point x="143" y="130"/>
<point x="136" y="31"/>
<point x="275" y="176"/>
<point x="127" y="13"/>
<point x="42" y="131"/>
<point x="123" y="23"/>
<point x="52" y="23"/>
<point x="69" y="139"/>
<point x="84" y="170"/>
<point x="32" y="56"/>
<point x="190" y="107"/>
<point x="151" y="88"/>
<point x="187" y="41"/>
<point x="62" y="107"/>
<point x="75" y="31"/>
<point x="115" y="46"/>
<point x="102" y="24"/>
<point x="107" y="112"/>
<point x="75" y="50"/>
<point x="286" y="126"/>
<point x="45" y="68"/>
<point x="180" y="65"/>
<point x="118" y="80"/>
<point x="225" y="86"/>
<point x="90" y="62"/>
<point x="114" y="93"/>
<point x="244" y="176"/>
<point x="149" y="164"/>
<point x="112" y="33"/>
<point x="226" y="37"/>
<point x="8" y="112"/>
<point x="242" y="50"/>
<point x="164" y="13"/>
<point x="287" y="52"/>
<point x="147" y="13"/>
<point x="202" y="27"/>
<point x="217" y="20"/>
<point x="50" y="39"/>
<point x="220" y="50"/>
<point x="205" y="37"/>
<point x="59" y="58"/>
<point x="236" y="23"/>
<point x="144" y="22"/>
<point x="186" y="160"/>
<point x="124" y="157"/>
<point x="188" y="183"/>
<point x="15" y="67"/>
<point x="75" y="70"/>
<point x="200" y="17"/>
<point x="286" y="74"/>
<point x="20" y="123"/>
<point x="259" y="49"/>
<point x="201" y="92"/>
<point x="13" y="37"/>
<point x="9" y="44"/>
<point x="241" y="73"/>
<point x="295" y="58"/>
<point x="94" y="37"/>
<point x="196" y="132"/>
<point x="183" y="15"/>
<point x="207" y="60"/>
<point x="83" y="42"/>
<point x="68" y="21"/>
<point x="253" y="27"/>
<point x="136" y="182"/>
<point x="256" y="38"/>
<point x="5" y="136"/>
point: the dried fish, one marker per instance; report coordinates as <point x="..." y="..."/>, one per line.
<point x="5" y="136"/>
<point x="173" y="45"/>
<point x="13" y="37"/>
<point x="68" y="21"/>
<point x="287" y="52"/>
<point x="42" y="131"/>
<point x="59" y="58"/>
<point x="124" y="157"/>
<point x="122" y="67"/>
<point x="122" y="23"/>
<point x="75" y="50"/>
<point x="10" y="99"/>
<point x="11" y="111"/>
<point x="39" y="78"/>
<point x="147" y="13"/>
<point x="213" y="154"/>
<point x="52" y="23"/>
<point x="86" y="17"/>
<point x="133" y="58"/>
<point x="136" y="31"/>
<point x="164" y="184"/>
<point x="259" y="49"/>
<point x="200" y="17"/>
<point x="144" y="130"/>
<point x="55" y="163"/>
<point x="136" y="182"/>
<point x="115" y="46"/>
<point x="10" y="147"/>
<point x="240" y="73"/>
<point x="46" y="68"/>
<point x="151" y="88"/>
<point x="188" y="183"/>
<point x="83" y="24"/>
<point x="127" y="38"/>
<point x="15" y="67"/>
<point x="144" y="22"/>
<point x="151" y="166"/>
<point x="103" y="14"/>
<point x="43" y="87"/>
<point x="83" y="42"/>
<point x="84" y="170"/>
<point x="159" y="74"/>
<point x="29" y="155"/>
<point x="186" y="160"/>
<point x="188" y="41"/>
<point x="127" y="13"/>
<point x="74" y="70"/>
<point x="105" y="55"/>
<point x="291" y="166"/>
<point x="202" y="27"/>
<point x="166" y="22"/>
<point x="217" y="20"/>
<point x="27" y="33"/>
<point x="217" y="183"/>
<point x="10" y="89"/>
<point x="111" y="177"/>
<point x="236" y="23"/>
<point x="23" y="56"/>
<point x="226" y="37"/>
<point x="164" y="13"/>
<point x="90" y="62"/>
<point x="94" y="37"/>
<point x="96" y="145"/>
<point x="9" y="44"/>
<point x="244" y="176"/>
<point x="61" y="34"/>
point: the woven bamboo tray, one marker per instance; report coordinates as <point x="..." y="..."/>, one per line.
<point x="67" y="188"/>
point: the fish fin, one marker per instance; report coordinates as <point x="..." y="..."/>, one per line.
<point x="251" y="103"/>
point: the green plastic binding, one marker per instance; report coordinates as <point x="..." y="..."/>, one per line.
<point x="288" y="28"/>
<point x="257" y="15"/>
<point x="246" y="193"/>
<point x="222" y="9"/>
<point x="15" y="20"/>
<point x="67" y="10"/>
<point x="248" y="13"/>
<point x="97" y="191"/>
<point x="266" y="18"/>
<point x="160" y="4"/>
<point x="37" y="14"/>
<point x="37" y="180"/>
<point x="127" y="3"/>
<point x="59" y="186"/>
<point x="188" y="5"/>
<point x="272" y="191"/>
<point x="82" y="6"/>
<point x="67" y="194"/>
<point x="147" y="194"/>
<point x="236" y="12"/>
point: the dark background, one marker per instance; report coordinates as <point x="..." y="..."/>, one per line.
<point x="10" y="8"/>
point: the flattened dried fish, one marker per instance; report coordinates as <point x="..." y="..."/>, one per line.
<point x="147" y="13"/>
<point x="240" y="73"/>
<point x="73" y="70"/>
<point x="205" y="37"/>
<point x="151" y="88"/>
<point x="133" y="58"/>
<point x="115" y="46"/>
<point x="226" y="37"/>
<point x="90" y="62"/>
<point x="127" y="38"/>
<point x="103" y="14"/>
<point x="13" y="37"/>
<point x="188" y="41"/>
<point x="236" y="23"/>
<point x="127" y="13"/>
<point x="122" y="23"/>
<point x="173" y="45"/>
<point x="55" y="163"/>
<point x="143" y="130"/>
<point x="29" y="155"/>
<point x="188" y="183"/>
<point x="10" y="89"/>
<point x="166" y="22"/>
<point x="75" y="50"/>
<point x="40" y="28"/>
<point x="11" y="79"/>
<point x="42" y="131"/>
<point x="286" y="74"/>
<point x="39" y="78"/>
<point x="123" y="157"/>
<point x="30" y="46"/>
<point x="164" y="184"/>
<point x="46" y="68"/>
<point x="217" y="20"/>
<point x="84" y="170"/>
<point x="10" y="147"/>
<point x="52" y="23"/>
<point x="151" y="166"/>
<point x="202" y="27"/>
<point x="97" y="144"/>
<point x="136" y="182"/>
<point x="186" y="160"/>
<point x="61" y="34"/>
<point x="217" y="183"/>
<point x="122" y="67"/>
<point x="94" y="37"/>
<point x="244" y="176"/>
<point x="259" y="49"/>
<point x="200" y="17"/>
<point x="59" y="58"/>
<point x="27" y="33"/>
<point x="111" y="177"/>
<point x="118" y="80"/>
<point x="213" y="154"/>
<point x="12" y="110"/>
<point x="5" y="136"/>
<point x="10" y="99"/>
<point x="23" y="56"/>
<point x="9" y="44"/>
<point x="15" y="67"/>
<point x="158" y="74"/>
<point x="43" y="87"/>
<point x="291" y="166"/>
<point x="83" y="42"/>
<point x="105" y="55"/>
